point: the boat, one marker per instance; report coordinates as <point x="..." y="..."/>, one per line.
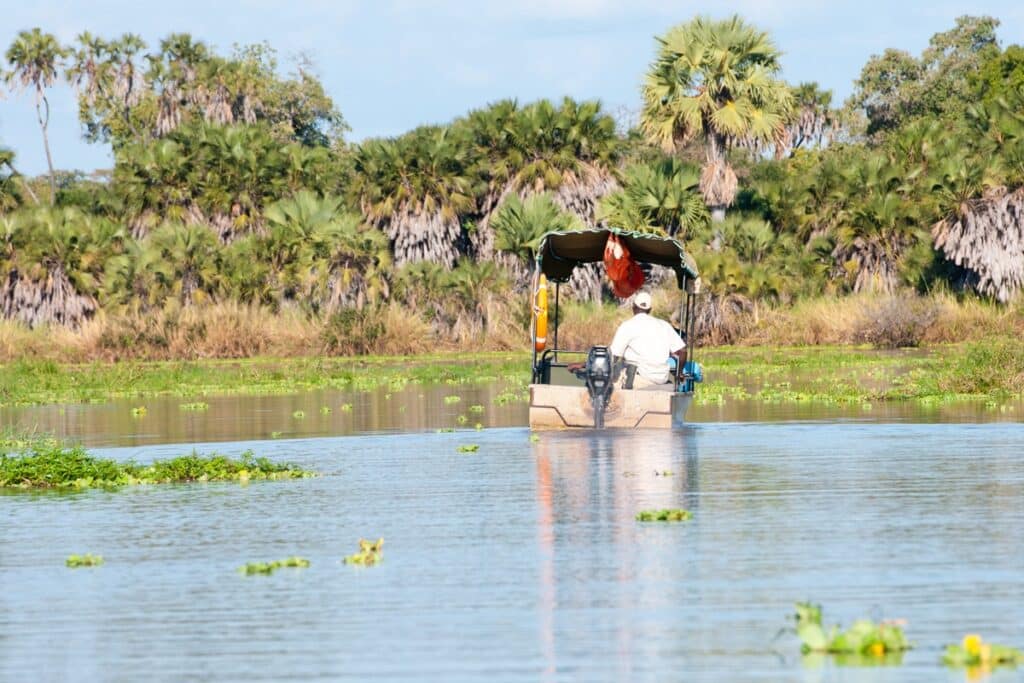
<point x="565" y="396"/>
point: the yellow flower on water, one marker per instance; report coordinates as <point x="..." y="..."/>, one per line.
<point x="972" y="644"/>
<point x="877" y="649"/>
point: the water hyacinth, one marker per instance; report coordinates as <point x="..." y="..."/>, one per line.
<point x="87" y="560"/>
<point x="53" y="466"/>
<point x="197" y="406"/>
<point x="449" y="400"/>
<point x="369" y="554"/>
<point x="251" y="568"/>
<point x="974" y="653"/>
<point x="139" y="412"/>
<point x="666" y="515"/>
<point x="469" y="448"/>
<point x="864" y="639"/>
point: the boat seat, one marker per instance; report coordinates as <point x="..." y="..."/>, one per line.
<point x="557" y="374"/>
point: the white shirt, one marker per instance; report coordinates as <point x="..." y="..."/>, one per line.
<point x="647" y="342"/>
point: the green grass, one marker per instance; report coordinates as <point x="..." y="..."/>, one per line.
<point x="27" y="382"/>
<point x="48" y="465"/>
<point x="251" y="568"/>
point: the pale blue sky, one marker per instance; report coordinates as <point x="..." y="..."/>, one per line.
<point x="393" y="64"/>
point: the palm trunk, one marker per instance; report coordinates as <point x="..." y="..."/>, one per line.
<point x="43" y="123"/>
<point x="717" y="179"/>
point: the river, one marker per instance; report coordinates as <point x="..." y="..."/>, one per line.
<point x="521" y="561"/>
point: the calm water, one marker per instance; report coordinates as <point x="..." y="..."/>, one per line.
<point x="522" y="561"/>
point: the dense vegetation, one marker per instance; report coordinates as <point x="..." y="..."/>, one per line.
<point x="233" y="186"/>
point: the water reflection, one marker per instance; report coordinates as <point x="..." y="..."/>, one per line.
<point x="589" y="489"/>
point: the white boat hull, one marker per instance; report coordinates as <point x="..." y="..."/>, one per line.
<point x="565" y="407"/>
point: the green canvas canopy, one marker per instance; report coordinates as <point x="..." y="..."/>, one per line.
<point x="560" y="252"/>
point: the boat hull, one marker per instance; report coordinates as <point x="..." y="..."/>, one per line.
<point x="563" y="407"/>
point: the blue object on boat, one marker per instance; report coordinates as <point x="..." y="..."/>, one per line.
<point x="694" y="369"/>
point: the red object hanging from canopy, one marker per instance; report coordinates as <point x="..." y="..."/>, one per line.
<point x="624" y="272"/>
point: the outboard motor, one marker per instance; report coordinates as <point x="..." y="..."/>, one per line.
<point x="599" y="377"/>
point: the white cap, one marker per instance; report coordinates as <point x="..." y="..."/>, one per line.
<point x="642" y="301"/>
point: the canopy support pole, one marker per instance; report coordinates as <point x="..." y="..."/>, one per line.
<point x="555" y="340"/>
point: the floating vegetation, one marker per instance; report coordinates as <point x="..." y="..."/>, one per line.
<point x="139" y="412"/>
<point x="276" y="435"/>
<point x="865" y="638"/>
<point x="449" y="400"/>
<point x="445" y="430"/>
<point x="666" y="515"/>
<point x="475" y="409"/>
<point x="197" y="406"/>
<point x="346" y="407"/>
<point x="370" y="553"/>
<point x="325" y="410"/>
<point x="534" y="438"/>
<point x="973" y="653"/>
<point x="44" y="465"/>
<point x="251" y="568"/>
<point x="468" y="448"/>
<point x="478" y="426"/>
<point x="86" y="560"/>
<point x="462" y="419"/>
<point x="299" y="414"/>
<point x="663" y="473"/>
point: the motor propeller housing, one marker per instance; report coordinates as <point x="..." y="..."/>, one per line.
<point x="599" y="375"/>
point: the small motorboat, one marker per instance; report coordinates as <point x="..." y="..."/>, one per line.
<point x="563" y="395"/>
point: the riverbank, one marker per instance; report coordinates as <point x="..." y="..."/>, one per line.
<point x="990" y="370"/>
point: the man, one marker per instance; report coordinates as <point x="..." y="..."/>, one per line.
<point x="647" y="343"/>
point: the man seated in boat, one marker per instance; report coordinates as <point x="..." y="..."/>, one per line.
<point x="647" y="343"/>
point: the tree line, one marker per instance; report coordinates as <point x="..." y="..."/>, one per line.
<point x="232" y="181"/>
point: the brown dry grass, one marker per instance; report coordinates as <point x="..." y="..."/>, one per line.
<point x="236" y="331"/>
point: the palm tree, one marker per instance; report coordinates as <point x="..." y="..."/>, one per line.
<point x="814" y="122"/>
<point x="416" y="189"/>
<point x="978" y="185"/>
<point x="661" y="197"/>
<point x="878" y="225"/>
<point x="35" y="57"/>
<point x="519" y="225"/>
<point x="715" y="79"/>
<point x="52" y="263"/>
<point x="181" y="263"/>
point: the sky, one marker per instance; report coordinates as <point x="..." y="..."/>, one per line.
<point x="391" y="65"/>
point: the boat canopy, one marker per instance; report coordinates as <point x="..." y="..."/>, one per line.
<point x="560" y="252"/>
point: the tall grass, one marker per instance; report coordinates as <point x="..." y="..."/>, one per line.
<point x="237" y="331"/>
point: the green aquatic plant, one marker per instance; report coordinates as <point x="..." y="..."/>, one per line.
<point x="468" y="448"/>
<point x="449" y="400"/>
<point x="299" y="414"/>
<point x="666" y="515"/>
<point x="251" y="568"/>
<point x="475" y="409"/>
<point x="276" y="435"/>
<point x="324" y="410"/>
<point x="346" y="407"/>
<point x="663" y="473"/>
<point x="370" y="553"/>
<point x="864" y="638"/>
<point x="976" y="655"/>
<point x="86" y="560"/>
<point x="139" y="412"/>
<point x="534" y="438"/>
<point x="44" y="465"/>
<point x="445" y="430"/>
<point x="478" y="426"/>
<point x="197" y="406"/>
<point x="462" y="419"/>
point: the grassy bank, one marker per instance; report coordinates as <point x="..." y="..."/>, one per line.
<point x="992" y="369"/>
<point x="33" y="382"/>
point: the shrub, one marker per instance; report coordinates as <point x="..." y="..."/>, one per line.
<point x="896" y="321"/>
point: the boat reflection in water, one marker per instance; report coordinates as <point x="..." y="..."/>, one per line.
<point x="590" y="486"/>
